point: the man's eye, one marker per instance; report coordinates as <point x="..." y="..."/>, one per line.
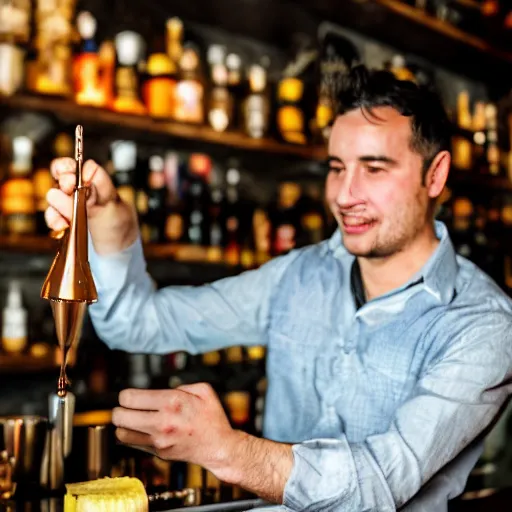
<point x="337" y="170"/>
<point x="374" y="170"/>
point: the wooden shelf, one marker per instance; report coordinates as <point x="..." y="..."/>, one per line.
<point x="412" y="31"/>
<point x="24" y="363"/>
<point x="391" y="21"/>
<point x="484" y="181"/>
<point x="40" y="244"/>
<point x="89" y="116"/>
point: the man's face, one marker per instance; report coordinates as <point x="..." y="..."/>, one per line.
<point x="374" y="187"/>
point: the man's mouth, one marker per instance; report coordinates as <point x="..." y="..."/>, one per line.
<point x="353" y="225"/>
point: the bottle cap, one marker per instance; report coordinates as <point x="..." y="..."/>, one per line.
<point x="14" y="295"/>
<point x="233" y="61"/>
<point x="124" y="155"/>
<point x="216" y="54"/>
<point x="22" y="148"/>
<point x="86" y="24"/>
<point x="129" y="47"/>
<point x="257" y="78"/>
<point x="156" y="163"/>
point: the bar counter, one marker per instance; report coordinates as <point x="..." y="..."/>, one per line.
<point x="56" y="505"/>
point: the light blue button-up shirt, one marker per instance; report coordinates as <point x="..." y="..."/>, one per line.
<point x="385" y="405"/>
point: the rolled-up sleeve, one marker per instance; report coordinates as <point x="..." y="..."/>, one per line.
<point x="133" y="316"/>
<point x="458" y="395"/>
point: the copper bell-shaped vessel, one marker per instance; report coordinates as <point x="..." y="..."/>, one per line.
<point x="69" y="284"/>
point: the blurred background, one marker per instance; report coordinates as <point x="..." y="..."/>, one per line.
<point x="212" y="118"/>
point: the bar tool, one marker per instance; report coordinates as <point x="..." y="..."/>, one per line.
<point x="69" y="286"/>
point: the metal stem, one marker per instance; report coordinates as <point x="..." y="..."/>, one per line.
<point x="79" y="154"/>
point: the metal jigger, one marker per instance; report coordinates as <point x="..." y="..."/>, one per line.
<point x="69" y="286"/>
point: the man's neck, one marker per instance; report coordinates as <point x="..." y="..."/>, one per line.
<point x="382" y="275"/>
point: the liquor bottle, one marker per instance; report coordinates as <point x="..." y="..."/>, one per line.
<point x="248" y="251"/>
<point x="497" y="234"/>
<point x="238" y="404"/>
<point x="156" y="199"/>
<point x="262" y="235"/>
<point x="235" y="87"/>
<point x="286" y="218"/>
<point x="17" y="192"/>
<point x="232" y="214"/>
<point x="507" y="252"/>
<point x="42" y="182"/>
<point x="174" y="223"/>
<point x="51" y="72"/>
<point x="189" y="107"/>
<point x="398" y="66"/>
<point x="129" y="47"/>
<point x="86" y="65"/>
<point x="291" y="121"/>
<point x="220" y="105"/>
<point x="199" y="168"/>
<point x="256" y="366"/>
<point x="215" y="253"/>
<point x="14" y="36"/>
<point x="107" y="71"/>
<point x="463" y="221"/>
<point x="337" y="56"/>
<point x="160" y="84"/>
<point x="174" y="40"/>
<point x="479" y="135"/>
<point x="312" y="216"/>
<point x="256" y="107"/>
<point x="492" y="152"/>
<point x="124" y="159"/>
<point x="141" y="205"/>
<point x="462" y="145"/>
<point x="14" y="321"/>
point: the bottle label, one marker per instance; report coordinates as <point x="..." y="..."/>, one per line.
<point x="285" y="238"/>
<point x="256" y="117"/>
<point x="20" y="224"/>
<point x="238" y="405"/>
<point x="218" y="119"/>
<point x="189" y="102"/>
<point x="174" y="227"/>
<point x="11" y="69"/>
<point x="14" y="335"/>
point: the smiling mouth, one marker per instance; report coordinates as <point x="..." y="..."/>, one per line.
<point x="356" y="225"/>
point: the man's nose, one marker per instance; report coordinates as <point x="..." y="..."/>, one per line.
<point x="349" y="189"/>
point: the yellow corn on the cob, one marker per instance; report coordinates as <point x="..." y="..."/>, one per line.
<point x="124" y="494"/>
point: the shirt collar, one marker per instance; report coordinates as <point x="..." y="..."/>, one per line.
<point x="438" y="274"/>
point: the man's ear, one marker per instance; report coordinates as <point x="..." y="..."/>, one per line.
<point x="436" y="176"/>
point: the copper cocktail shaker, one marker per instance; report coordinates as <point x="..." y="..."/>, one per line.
<point x="69" y="286"/>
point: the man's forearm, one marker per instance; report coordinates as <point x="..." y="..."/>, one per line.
<point x="257" y="465"/>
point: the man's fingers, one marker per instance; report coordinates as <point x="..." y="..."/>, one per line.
<point x="99" y="180"/>
<point x="61" y="166"/>
<point x="136" y="440"/>
<point x="150" y="399"/>
<point x="140" y="421"/>
<point x="63" y="170"/>
<point x="60" y="202"/>
<point x="55" y="220"/>
<point x="201" y="390"/>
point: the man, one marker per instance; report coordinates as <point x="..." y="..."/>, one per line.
<point x="388" y="355"/>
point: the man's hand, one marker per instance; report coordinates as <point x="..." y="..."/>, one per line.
<point x="112" y="223"/>
<point x="189" y="424"/>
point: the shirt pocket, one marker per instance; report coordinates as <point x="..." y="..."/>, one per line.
<point x="291" y="367"/>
